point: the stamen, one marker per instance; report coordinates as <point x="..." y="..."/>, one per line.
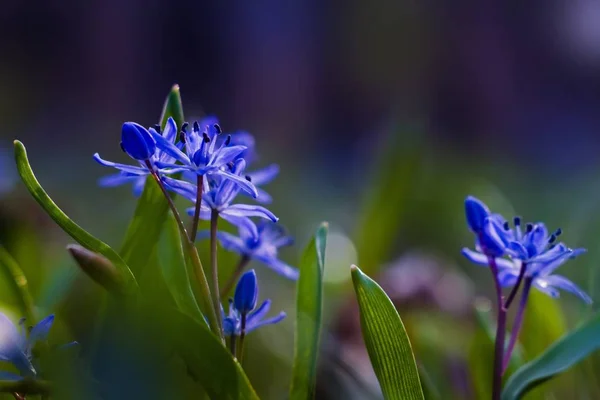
<point x="529" y="227"/>
<point x="517" y="221"/>
<point x="228" y="140"/>
<point x="217" y="129"/>
<point x="206" y="138"/>
<point x="506" y="226"/>
<point x="157" y="128"/>
<point x="248" y="178"/>
<point x="552" y="238"/>
<point x="196" y="127"/>
<point x="230" y="165"/>
<point x="182" y="136"/>
<point x="558" y="232"/>
<point x="551" y="247"/>
<point x="184" y="126"/>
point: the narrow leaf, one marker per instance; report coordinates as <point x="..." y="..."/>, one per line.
<point x="75" y="231"/>
<point x="207" y="360"/>
<point x="14" y="276"/>
<point x="175" y="272"/>
<point x="562" y="355"/>
<point x="308" y="319"/>
<point x="386" y="341"/>
<point x="145" y="227"/>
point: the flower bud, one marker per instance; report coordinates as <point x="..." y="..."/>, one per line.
<point x="246" y="293"/>
<point x="137" y="142"/>
<point x="476" y="212"/>
<point x="99" y="268"/>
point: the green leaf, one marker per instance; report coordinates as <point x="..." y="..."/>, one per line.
<point x="309" y="298"/>
<point x="208" y="361"/>
<point x="386" y="340"/>
<point x="144" y="230"/>
<point x="175" y="272"/>
<point x="75" y="231"/>
<point x="562" y="355"/>
<point x="17" y="281"/>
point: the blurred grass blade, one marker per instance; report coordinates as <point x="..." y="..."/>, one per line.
<point x="562" y="355"/>
<point x="17" y="281"/>
<point x="175" y="272"/>
<point x="144" y="230"/>
<point x="386" y="341"/>
<point x="308" y="319"/>
<point x="207" y="360"/>
<point x="75" y="231"/>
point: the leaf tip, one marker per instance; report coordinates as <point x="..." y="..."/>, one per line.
<point x="175" y="88"/>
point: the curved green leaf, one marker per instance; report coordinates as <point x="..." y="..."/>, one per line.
<point x="75" y="231"/>
<point x="562" y="355"/>
<point x="207" y="360"/>
<point x="386" y="340"/>
<point x="16" y="279"/>
<point x="308" y="319"/>
<point x="144" y="230"/>
<point x="175" y="272"/>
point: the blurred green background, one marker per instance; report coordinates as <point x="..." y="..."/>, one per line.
<point x="382" y="116"/>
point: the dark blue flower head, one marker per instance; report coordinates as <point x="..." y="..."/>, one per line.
<point x="490" y="236"/>
<point x="476" y="212"/>
<point x="262" y="246"/>
<point x="137" y="142"/>
<point x="232" y="322"/>
<point x="246" y="293"/>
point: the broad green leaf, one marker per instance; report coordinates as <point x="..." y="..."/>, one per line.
<point x="75" y="231"/>
<point x="175" y="272"/>
<point x="14" y="276"/>
<point x="562" y="355"/>
<point x="144" y="230"/>
<point x="309" y="299"/>
<point x="386" y="341"/>
<point x="207" y="360"/>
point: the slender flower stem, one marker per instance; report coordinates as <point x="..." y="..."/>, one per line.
<point x="515" y="288"/>
<point x="244" y="260"/>
<point x="242" y="337"/>
<point x="214" y="219"/>
<point x="500" y="333"/>
<point x="233" y="345"/>
<point x="205" y="296"/>
<point x="517" y="325"/>
<point x="200" y="182"/>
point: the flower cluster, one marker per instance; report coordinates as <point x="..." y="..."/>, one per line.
<point x="530" y="251"/>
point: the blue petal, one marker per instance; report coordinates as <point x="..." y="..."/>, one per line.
<point x="117" y="179"/>
<point x="508" y="276"/>
<point x="247" y="210"/>
<point x="226" y="155"/>
<point x="132" y="169"/>
<point x="9" y="339"/>
<point x="268" y="321"/>
<point x="228" y="188"/>
<point x="536" y="240"/>
<point x="563" y="283"/>
<point x="40" y="331"/>
<point x="264" y="175"/>
<point x="170" y="131"/>
<point x="246" y="292"/>
<point x="168" y="147"/>
<point x="243" y="223"/>
<point x="481" y="259"/>
<point x="490" y="239"/>
<point x="543" y="286"/>
<point x="183" y="188"/>
<point x="231" y="242"/>
<point x="136" y="141"/>
<point x="518" y="250"/>
<point x="280" y="267"/>
<point x="241" y="181"/>
<point x="476" y="212"/>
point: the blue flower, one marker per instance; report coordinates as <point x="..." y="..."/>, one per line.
<point x="490" y="236"/>
<point x="540" y="271"/>
<point x="246" y="293"/>
<point x="137" y="142"/>
<point x="16" y="347"/>
<point x="262" y="246"/>
<point x="218" y="196"/>
<point x="136" y="174"/>
<point x="203" y="155"/>
<point x="232" y="322"/>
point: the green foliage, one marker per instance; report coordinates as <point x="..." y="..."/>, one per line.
<point x="562" y="355"/>
<point x="13" y="275"/>
<point x="308" y="323"/>
<point x="175" y="272"/>
<point x="75" y="231"/>
<point x="386" y="340"/>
